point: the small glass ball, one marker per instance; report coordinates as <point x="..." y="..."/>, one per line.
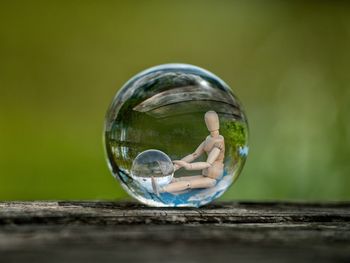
<point x="152" y="166"/>
<point x="175" y="135"/>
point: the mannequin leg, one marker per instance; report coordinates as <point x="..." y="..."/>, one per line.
<point x="204" y="182"/>
<point x="191" y="182"/>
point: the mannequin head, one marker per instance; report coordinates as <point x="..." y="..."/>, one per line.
<point x="212" y="121"/>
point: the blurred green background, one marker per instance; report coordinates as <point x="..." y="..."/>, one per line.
<point x="63" y="61"/>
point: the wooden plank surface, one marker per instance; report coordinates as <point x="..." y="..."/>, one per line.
<point x="93" y="231"/>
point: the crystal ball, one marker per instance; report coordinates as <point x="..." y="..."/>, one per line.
<point x="175" y="135"/>
<point x="152" y="167"/>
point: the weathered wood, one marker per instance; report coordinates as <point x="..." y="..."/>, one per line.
<point x="113" y="231"/>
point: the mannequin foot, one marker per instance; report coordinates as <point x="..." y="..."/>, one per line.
<point x="155" y="186"/>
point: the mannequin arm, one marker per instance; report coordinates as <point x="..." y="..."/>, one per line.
<point x="213" y="155"/>
<point x="198" y="152"/>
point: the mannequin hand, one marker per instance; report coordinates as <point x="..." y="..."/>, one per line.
<point x="180" y="164"/>
<point x="176" y="167"/>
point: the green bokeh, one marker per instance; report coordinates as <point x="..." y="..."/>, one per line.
<point x="61" y="63"/>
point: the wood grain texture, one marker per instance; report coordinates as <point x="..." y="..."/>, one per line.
<point x="85" y="231"/>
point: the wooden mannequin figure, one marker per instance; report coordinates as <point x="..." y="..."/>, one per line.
<point x="214" y="147"/>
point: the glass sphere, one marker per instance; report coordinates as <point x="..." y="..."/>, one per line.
<point x="175" y="135"/>
<point x="152" y="167"/>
